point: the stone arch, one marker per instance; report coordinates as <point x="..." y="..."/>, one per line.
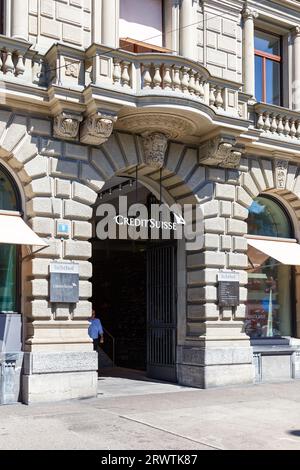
<point x="61" y="180"/>
<point x="279" y="178"/>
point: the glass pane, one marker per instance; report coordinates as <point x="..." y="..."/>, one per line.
<point x="269" y="304"/>
<point x="259" y="78"/>
<point x="267" y="218"/>
<point x="8" y="199"/>
<point x="267" y="43"/>
<point x="273" y="82"/>
<point x="8" y="253"/>
<point x="8" y="277"/>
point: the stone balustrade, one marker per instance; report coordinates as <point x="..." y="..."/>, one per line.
<point x="278" y="122"/>
<point x="107" y="70"/>
<point x="12" y="57"/>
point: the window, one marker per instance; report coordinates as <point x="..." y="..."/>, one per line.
<point x="270" y="299"/>
<point x="141" y="26"/>
<point x="267" y="68"/>
<point x="8" y="253"/>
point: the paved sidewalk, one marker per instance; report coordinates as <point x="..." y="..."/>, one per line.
<point x="135" y="413"/>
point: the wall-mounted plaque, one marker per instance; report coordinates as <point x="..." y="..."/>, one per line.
<point x="64" y="282"/>
<point x="228" y="289"/>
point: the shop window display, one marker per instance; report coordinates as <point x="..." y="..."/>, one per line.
<point x="8" y="253"/>
<point x="269" y="303"/>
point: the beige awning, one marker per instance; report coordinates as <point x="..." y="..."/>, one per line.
<point x="14" y="231"/>
<point x="284" y="250"/>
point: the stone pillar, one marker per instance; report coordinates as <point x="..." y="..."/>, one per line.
<point x="172" y="25"/>
<point x="296" y="77"/>
<point x="19" y="19"/>
<point x="96" y="24"/>
<point x="110" y="23"/>
<point x="188" y="29"/>
<point x="217" y="351"/>
<point x="248" y="49"/>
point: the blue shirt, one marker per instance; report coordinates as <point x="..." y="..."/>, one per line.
<point x="95" y="328"/>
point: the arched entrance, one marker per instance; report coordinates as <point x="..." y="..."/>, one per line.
<point x="135" y="284"/>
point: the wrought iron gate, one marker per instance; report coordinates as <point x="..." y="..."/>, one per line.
<point x="161" y="312"/>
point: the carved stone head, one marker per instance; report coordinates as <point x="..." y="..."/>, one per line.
<point x="155" y="146"/>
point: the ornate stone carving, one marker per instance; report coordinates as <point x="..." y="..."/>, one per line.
<point x="66" y="126"/>
<point x="220" y="151"/>
<point x="281" y="170"/>
<point x="155" y="146"/>
<point x="296" y="31"/>
<point x="248" y="13"/>
<point x="176" y="127"/>
<point x="97" y="129"/>
<point x="71" y="68"/>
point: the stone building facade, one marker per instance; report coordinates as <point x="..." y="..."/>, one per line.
<point x="74" y="110"/>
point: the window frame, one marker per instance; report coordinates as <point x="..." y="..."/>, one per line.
<point x="11" y="180"/>
<point x="275" y="58"/>
<point x="293" y="293"/>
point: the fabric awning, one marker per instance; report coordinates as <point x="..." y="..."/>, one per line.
<point x="284" y="250"/>
<point x="14" y="231"/>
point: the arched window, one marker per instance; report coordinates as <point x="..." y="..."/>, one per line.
<point x="270" y="300"/>
<point x="9" y="201"/>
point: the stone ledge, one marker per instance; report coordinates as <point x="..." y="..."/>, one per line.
<point x="57" y="387"/>
<point x="50" y="363"/>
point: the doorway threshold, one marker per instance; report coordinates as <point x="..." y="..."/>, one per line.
<point x="118" y="382"/>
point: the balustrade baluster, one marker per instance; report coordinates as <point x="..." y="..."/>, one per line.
<point x="176" y="78"/>
<point x="267" y="125"/>
<point x="280" y="125"/>
<point x="212" y="97"/>
<point x="219" y="100"/>
<point x="293" y="128"/>
<point x="9" y="67"/>
<point x="117" y="72"/>
<point x="147" y="80"/>
<point x="260" y="122"/>
<point x="192" y="82"/>
<point x="273" y="128"/>
<point x="287" y="128"/>
<point x="167" y="80"/>
<point x="20" y="67"/>
<point x="185" y="80"/>
<point x="125" y="74"/>
<point x="298" y="129"/>
<point x="157" y="76"/>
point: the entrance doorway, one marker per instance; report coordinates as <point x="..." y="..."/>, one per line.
<point x="135" y="296"/>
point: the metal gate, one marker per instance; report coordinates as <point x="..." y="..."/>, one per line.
<point x="161" y="312"/>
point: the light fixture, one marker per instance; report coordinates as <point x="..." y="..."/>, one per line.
<point x="110" y="191"/>
<point x="120" y="187"/>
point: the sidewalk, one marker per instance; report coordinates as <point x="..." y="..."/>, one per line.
<point x="135" y="413"/>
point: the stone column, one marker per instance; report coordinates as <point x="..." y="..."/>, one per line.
<point x="296" y="77"/>
<point x="248" y="49"/>
<point x="96" y="24"/>
<point x="19" y="19"/>
<point x="171" y="25"/>
<point x="110" y="23"/>
<point x="188" y="29"/>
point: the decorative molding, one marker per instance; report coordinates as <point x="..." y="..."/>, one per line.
<point x="248" y="13"/>
<point x="155" y="145"/>
<point x="72" y="68"/>
<point x="296" y="31"/>
<point x="97" y="129"/>
<point x="281" y="171"/>
<point x="220" y="151"/>
<point x="176" y="127"/>
<point x="66" y="126"/>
